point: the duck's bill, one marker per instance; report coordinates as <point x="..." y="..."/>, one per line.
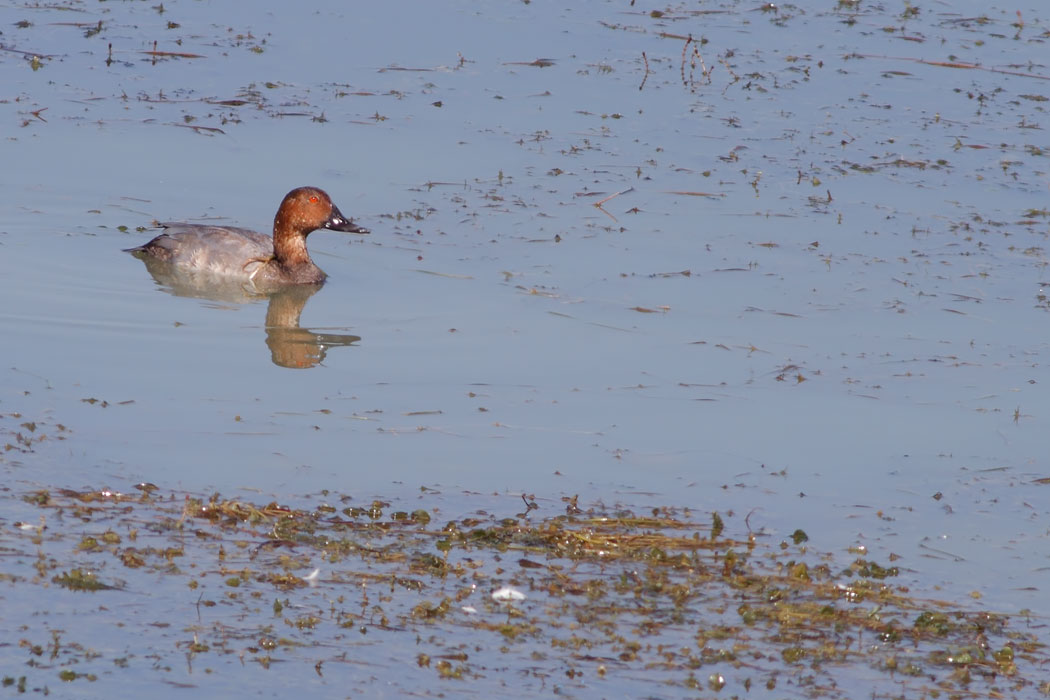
<point x="349" y="227"/>
<point x="338" y="222"/>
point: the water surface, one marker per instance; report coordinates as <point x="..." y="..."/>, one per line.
<point x="812" y="292"/>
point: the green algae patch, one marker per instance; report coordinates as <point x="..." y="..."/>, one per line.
<point x="594" y="595"/>
<point x="80" y="580"/>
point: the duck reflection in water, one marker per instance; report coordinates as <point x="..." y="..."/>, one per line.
<point x="290" y="345"/>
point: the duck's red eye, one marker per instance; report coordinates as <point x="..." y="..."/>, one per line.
<point x="313" y="199"/>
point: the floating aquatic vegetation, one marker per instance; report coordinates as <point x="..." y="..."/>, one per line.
<point x="593" y="594"/>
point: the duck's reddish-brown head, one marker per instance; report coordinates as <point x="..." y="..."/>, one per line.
<point x="307" y="209"/>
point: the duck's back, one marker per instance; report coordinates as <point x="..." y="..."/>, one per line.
<point x="220" y="250"/>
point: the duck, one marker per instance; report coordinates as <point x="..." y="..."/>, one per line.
<point x="233" y="253"/>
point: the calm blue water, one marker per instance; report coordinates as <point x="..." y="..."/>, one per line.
<point x="833" y="362"/>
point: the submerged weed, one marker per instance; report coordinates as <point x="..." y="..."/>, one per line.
<point x="592" y="592"/>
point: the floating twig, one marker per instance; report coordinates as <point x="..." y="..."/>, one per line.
<point x="685" y="47"/>
<point x="538" y="63"/>
<point x="598" y="205"/>
<point x="697" y="194"/>
<point x="615" y="194"/>
<point x="169" y="54"/>
<point x="952" y="64"/>
<point x="693" y="60"/>
<point x="25" y="53"/>
<point x="172" y="54"/>
<point x="199" y="129"/>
